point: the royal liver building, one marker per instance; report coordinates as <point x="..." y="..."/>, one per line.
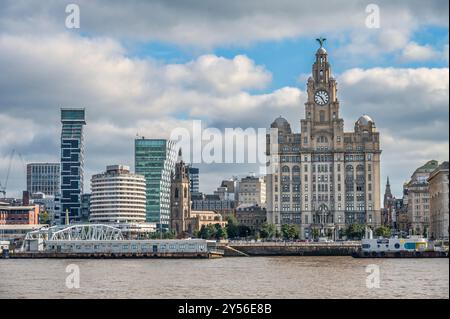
<point x="323" y="179"/>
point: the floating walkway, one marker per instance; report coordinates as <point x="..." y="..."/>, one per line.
<point x="105" y="241"/>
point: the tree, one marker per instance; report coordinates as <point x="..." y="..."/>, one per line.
<point x="44" y="218"/>
<point x="221" y="233"/>
<point x="232" y="227"/>
<point x="341" y="233"/>
<point x="169" y="234"/>
<point x="163" y="235"/>
<point x="231" y="219"/>
<point x="267" y="230"/>
<point x="315" y="233"/>
<point x="203" y="233"/>
<point x="244" y="231"/>
<point x="212" y="232"/>
<point x="383" y="231"/>
<point x="290" y="231"/>
<point x="356" y="231"/>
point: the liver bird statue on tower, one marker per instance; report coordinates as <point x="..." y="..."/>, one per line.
<point x="321" y="41"/>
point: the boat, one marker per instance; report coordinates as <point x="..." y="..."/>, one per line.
<point x="411" y="247"/>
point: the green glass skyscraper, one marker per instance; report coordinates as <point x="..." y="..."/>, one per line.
<point x="155" y="159"/>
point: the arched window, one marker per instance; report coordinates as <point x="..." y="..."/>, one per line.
<point x="296" y="169"/>
<point x="285" y="169"/>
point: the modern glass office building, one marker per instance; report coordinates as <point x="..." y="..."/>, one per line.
<point x="194" y="180"/>
<point x="155" y="159"/>
<point x="72" y="162"/>
<point x="43" y="178"/>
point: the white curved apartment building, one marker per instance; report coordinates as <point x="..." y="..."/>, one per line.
<point x="118" y="196"/>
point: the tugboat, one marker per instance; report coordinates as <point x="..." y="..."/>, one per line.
<point x="411" y="247"/>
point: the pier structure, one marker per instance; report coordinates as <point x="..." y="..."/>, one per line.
<point x="104" y="241"/>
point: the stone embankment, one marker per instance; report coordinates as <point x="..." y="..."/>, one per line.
<point x="239" y="249"/>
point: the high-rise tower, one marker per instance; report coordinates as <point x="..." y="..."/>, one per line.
<point x="155" y="159"/>
<point x="72" y="164"/>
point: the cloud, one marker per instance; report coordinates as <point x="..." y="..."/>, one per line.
<point x="123" y="96"/>
<point x="413" y="101"/>
<point x="405" y="155"/>
<point x="46" y="66"/>
<point x="410" y="109"/>
<point x="199" y="24"/>
<point x="416" y="52"/>
<point x="221" y="75"/>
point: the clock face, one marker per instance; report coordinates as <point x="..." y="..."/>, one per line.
<point x="321" y="97"/>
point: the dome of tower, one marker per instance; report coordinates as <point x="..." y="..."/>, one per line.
<point x="321" y="50"/>
<point x="281" y="124"/>
<point x="365" y="120"/>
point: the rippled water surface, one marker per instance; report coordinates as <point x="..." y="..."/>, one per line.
<point x="256" y="277"/>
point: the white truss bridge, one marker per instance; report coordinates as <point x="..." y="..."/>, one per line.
<point x="87" y="232"/>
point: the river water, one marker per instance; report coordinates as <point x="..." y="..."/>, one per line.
<point x="254" y="277"/>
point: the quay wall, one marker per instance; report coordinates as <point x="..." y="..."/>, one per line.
<point x="289" y="249"/>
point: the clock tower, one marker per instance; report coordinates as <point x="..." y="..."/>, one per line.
<point x="322" y="106"/>
<point x="323" y="179"/>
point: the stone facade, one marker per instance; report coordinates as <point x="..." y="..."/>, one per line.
<point x="183" y="220"/>
<point x="252" y="216"/>
<point x="252" y="191"/>
<point x="323" y="178"/>
<point x="439" y="202"/>
<point x="419" y="199"/>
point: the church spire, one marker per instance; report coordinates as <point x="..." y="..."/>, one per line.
<point x="387" y="193"/>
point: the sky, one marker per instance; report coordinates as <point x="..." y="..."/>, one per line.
<point x="147" y="67"/>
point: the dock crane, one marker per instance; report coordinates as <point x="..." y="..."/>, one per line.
<point x="4" y="186"/>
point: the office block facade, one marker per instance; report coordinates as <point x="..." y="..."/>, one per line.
<point x="43" y="178"/>
<point x="155" y="160"/>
